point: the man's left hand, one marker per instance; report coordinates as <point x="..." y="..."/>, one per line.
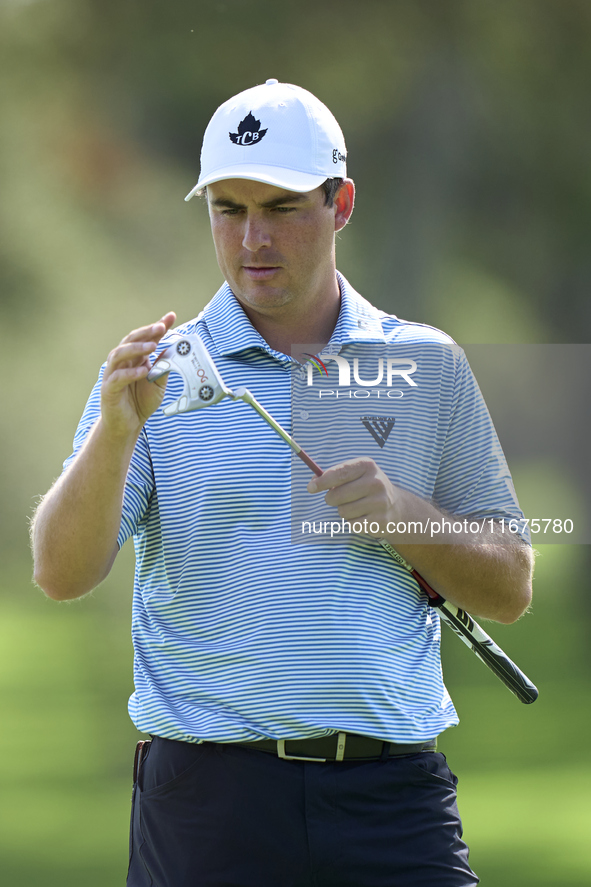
<point x="360" y="490"/>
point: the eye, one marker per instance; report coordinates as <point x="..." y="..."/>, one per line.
<point x="285" y="209"/>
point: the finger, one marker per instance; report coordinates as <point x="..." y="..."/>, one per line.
<point x="166" y="322"/>
<point x="153" y="331"/>
<point x="364" y="521"/>
<point x="361" y="488"/>
<point x="124" y="376"/>
<point x="160" y="381"/>
<point x="129" y="354"/>
<point x="340" y="474"/>
<point x="168" y="319"/>
<point x="363" y="508"/>
<point x="144" y="333"/>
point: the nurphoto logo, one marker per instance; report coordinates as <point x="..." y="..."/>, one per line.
<point x="387" y="370"/>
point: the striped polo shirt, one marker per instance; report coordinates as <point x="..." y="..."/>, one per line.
<point x="244" y="625"/>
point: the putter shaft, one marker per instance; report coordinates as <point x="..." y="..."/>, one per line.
<point x="205" y="387"/>
<point x="458" y="620"/>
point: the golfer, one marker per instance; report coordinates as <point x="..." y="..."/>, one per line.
<point x="293" y="691"/>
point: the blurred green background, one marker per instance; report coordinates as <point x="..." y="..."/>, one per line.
<point x="469" y="138"/>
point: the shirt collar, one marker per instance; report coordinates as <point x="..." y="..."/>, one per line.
<point x="359" y="320"/>
<point x="232" y="331"/>
<point x="229" y="327"/>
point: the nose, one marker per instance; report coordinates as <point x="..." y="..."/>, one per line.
<point x="256" y="233"/>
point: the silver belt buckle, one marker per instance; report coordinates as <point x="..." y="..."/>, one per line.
<point x="340" y="755"/>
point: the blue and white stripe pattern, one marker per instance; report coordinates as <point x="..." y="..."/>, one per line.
<point x="239" y="631"/>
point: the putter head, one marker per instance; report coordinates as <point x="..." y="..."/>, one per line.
<point x="203" y="384"/>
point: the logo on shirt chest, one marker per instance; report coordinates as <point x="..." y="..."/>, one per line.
<point x="379" y="427"/>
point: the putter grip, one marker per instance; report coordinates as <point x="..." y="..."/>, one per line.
<point x="485" y="648"/>
<point x="473" y="636"/>
<point x="458" y="620"/>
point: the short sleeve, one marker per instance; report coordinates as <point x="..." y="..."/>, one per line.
<point x="474" y="478"/>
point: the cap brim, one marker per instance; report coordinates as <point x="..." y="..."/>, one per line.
<point x="289" y="179"/>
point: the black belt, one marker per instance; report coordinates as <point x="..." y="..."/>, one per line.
<point x="338" y="747"/>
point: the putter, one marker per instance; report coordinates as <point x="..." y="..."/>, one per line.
<point x="203" y="387"/>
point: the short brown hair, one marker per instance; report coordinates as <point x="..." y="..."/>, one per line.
<point x="331" y="188"/>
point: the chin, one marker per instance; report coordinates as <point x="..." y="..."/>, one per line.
<point x="260" y="295"/>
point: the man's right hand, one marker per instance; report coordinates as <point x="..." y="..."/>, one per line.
<point x="127" y="398"/>
<point x="76" y="525"/>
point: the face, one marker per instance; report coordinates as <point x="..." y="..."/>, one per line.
<point x="275" y="247"/>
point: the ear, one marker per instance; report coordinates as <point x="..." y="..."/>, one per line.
<point x="343" y="204"/>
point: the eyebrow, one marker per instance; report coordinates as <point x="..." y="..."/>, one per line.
<point x="268" y="204"/>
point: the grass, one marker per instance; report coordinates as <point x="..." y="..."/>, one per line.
<point x="529" y="828"/>
<point x="66" y="749"/>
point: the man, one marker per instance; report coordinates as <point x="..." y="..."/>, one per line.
<point x="293" y="691"/>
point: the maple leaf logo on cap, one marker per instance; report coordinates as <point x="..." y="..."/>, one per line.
<point x="249" y="131"/>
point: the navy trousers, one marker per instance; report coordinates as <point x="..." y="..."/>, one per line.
<point x="223" y="816"/>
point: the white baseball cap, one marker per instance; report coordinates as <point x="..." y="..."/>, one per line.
<point x="275" y="133"/>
